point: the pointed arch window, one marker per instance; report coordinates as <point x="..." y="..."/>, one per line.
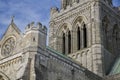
<point x="78" y="38"/>
<point x="69" y="42"/>
<point x="63" y="42"/>
<point x="84" y="36"/>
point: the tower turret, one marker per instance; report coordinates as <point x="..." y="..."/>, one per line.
<point x="36" y="35"/>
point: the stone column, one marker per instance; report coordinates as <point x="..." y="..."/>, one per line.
<point x="59" y="44"/>
<point x="74" y="41"/>
<point x="66" y="43"/>
<point x="89" y="36"/>
<point x="82" y="40"/>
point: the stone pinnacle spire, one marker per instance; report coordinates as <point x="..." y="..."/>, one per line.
<point x="12" y="19"/>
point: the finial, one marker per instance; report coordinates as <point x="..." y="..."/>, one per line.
<point x="12" y="19"/>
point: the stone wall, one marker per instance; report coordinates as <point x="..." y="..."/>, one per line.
<point x="113" y="77"/>
<point x="55" y="66"/>
<point x="102" y="32"/>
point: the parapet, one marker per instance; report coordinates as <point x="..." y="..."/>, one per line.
<point x="37" y="27"/>
<point x="41" y="27"/>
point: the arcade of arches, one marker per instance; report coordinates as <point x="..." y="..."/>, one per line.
<point x="75" y="38"/>
<point x="68" y="40"/>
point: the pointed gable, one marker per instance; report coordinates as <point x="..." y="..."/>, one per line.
<point x="10" y="40"/>
<point x="12" y="30"/>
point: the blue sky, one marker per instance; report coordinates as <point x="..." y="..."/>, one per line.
<point x="26" y="11"/>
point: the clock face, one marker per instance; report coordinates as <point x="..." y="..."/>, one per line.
<point x="8" y="46"/>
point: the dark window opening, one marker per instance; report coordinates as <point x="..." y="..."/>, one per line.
<point x="85" y="36"/>
<point x="63" y="47"/>
<point x="69" y="42"/>
<point x="78" y="38"/>
<point x="34" y="39"/>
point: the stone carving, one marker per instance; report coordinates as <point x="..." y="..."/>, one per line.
<point x="8" y="46"/>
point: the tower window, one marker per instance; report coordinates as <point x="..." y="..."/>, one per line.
<point x="78" y="38"/>
<point x="69" y="42"/>
<point x="34" y="39"/>
<point x="84" y="36"/>
<point x="63" y="47"/>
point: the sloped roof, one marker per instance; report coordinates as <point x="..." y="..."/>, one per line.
<point x="116" y="67"/>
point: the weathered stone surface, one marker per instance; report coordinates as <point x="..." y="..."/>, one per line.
<point x="26" y="56"/>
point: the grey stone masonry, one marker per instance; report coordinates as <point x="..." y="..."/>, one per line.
<point x="88" y="32"/>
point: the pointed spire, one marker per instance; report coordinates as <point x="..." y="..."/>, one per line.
<point x="12" y="19"/>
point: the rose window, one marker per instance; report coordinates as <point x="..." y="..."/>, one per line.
<point x="8" y="46"/>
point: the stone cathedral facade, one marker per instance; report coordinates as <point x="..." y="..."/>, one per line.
<point x="84" y="44"/>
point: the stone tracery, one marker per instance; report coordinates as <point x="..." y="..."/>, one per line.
<point x="8" y="46"/>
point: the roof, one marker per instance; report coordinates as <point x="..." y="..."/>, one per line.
<point x="116" y="67"/>
<point x="65" y="57"/>
<point x="58" y="53"/>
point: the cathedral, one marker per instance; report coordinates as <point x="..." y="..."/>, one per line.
<point x="84" y="44"/>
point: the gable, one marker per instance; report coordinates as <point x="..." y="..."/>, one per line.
<point x="10" y="41"/>
<point x="12" y="30"/>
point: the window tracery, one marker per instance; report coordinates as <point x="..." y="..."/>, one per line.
<point x="8" y="46"/>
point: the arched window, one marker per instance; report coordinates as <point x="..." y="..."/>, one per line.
<point x="69" y="42"/>
<point x="84" y="36"/>
<point x="78" y="38"/>
<point x="63" y="43"/>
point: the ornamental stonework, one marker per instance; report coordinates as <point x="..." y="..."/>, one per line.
<point x="8" y="47"/>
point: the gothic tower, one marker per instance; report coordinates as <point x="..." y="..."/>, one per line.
<point x="85" y="31"/>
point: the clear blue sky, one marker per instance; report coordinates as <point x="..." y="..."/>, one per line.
<point x="26" y="11"/>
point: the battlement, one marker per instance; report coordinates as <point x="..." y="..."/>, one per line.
<point x="37" y="27"/>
